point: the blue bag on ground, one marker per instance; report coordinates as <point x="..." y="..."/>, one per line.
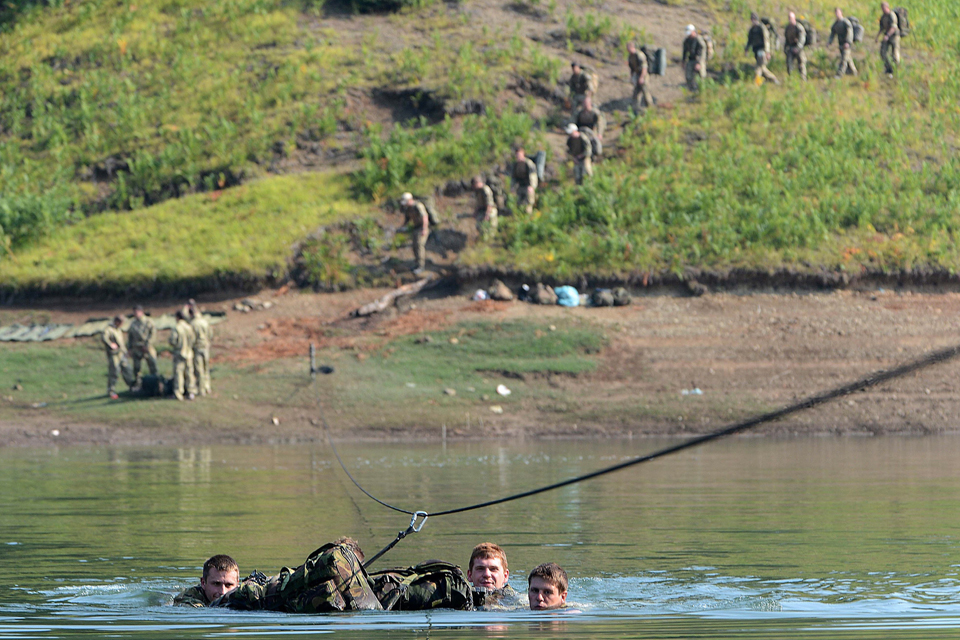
<point x="567" y="296"/>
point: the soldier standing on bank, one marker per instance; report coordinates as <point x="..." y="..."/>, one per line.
<point x="639" y="75"/>
<point x="890" y="45"/>
<point x="116" y="349"/>
<point x="794" y="39"/>
<point x="182" y="339"/>
<point x="579" y="84"/>
<point x="525" y="181"/>
<point x="415" y="214"/>
<point x="142" y="332"/>
<point x="842" y="30"/>
<point x="758" y="40"/>
<point x="694" y="59"/>
<point x="486" y="209"/>
<point x="201" y="349"/>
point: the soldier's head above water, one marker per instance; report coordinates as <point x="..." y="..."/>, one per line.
<point x="488" y="566"/>
<point x="547" y="587"/>
<point x="220" y="575"/>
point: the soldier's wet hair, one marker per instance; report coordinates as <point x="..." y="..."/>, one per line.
<point x="351" y="544"/>
<point x="220" y="562"/>
<point x="552" y="573"/>
<point x="488" y="550"/>
<point x="117" y="321"/>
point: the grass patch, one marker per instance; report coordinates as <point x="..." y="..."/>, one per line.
<point x="247" y="231"/>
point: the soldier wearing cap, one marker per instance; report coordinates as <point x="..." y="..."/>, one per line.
<point x="142" y="332"/>
<point x="694" y="58"/>
<point x="416" y="216"/>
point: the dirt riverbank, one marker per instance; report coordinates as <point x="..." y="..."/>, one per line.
<point x="745" y="353"/>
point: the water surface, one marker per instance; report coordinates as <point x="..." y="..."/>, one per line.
<point x="747" y="537"/>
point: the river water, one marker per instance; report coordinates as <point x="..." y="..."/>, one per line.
<point x="743" y="538"/>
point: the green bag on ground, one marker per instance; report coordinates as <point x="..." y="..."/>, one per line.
<point x="429" y="585"/>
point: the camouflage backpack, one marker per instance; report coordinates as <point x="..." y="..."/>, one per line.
<point x="430" y="204"/>
<point x="595" y="144"/>
<point x="773" y="36"/>
<point x="707" y="40"/>
<point x="332" y="579"/>
<point x="602" y="298"/>
<point x="656" y="60"/>
<point x="811" y="37"/>
<point x="429" y="585"/>
<point x="903" y="21"/>
<point x="499" y="193"/>
<point x="857" y="29"/>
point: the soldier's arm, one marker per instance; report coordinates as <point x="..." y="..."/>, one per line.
<point x="833" y="32"/>
<point x="534" y="178"/>
<point x="801" y="36"/>
<point x="425" y="218"/>
<point x="644" y="69"/>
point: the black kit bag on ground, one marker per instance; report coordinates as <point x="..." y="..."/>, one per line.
<point x="903" y="20"/>
<point x="621" y="297"/>
<point x="152" y="386"/>
<point x="429" y="585"/>
<point x="857" y="29"/>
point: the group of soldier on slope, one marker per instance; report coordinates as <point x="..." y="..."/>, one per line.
<point x="189" y="344"/>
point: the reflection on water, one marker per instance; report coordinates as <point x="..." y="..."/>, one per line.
<point x="743" y="538"/>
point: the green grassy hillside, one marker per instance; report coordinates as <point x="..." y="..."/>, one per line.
<point x="147" y="140"/>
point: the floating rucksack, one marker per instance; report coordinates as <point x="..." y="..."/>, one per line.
<point x="812" y="37"/>
<point x="903" y="22"/>
<point x="857" y="29"/>
<point x="429" y="585"/>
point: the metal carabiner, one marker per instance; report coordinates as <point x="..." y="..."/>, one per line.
<point x="413" y="521"/>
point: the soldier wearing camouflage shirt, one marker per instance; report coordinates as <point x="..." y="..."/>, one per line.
<point x="890" y="45"/>
<point x="525" y="181"/>
<point x="183" y="339"/>
<point x="415" y="215"/>
<point x="220" y="575"/>
<point x="694" y="58"/>
<point x="579" y="84"/>
<point x="142" y="331"/>
<point x="486" y="208"/>
<point x="842" y="30"/>
<point x="794" y="39"/>
<point x="758" y="40"/>
<point x="579" y="148"/>
<point x="590" y="118"/>
<point x="488" y="572"/>
<point x="116" y="349"/>
<point x="201" y="349"/>
<point x="639" y="75"/>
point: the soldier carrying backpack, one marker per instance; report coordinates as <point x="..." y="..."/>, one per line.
<point x="845" y="34"/>
<point x="890" y="32"/>
<point x="794" y="41"/>
<point x="759" y="40"/>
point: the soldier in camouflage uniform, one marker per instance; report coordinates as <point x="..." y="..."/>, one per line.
<point x="525" y="181"/>
<point x="547" y="587"/>
<point x="579" y="84"/>
<point x="890" y="45"/>
<point x="488" y="572"/>
<point x="694" y="58"/>
<point x="220" y="575"/>
<point x="116" y="349"/>
<point x="758" y="40"/>
<point x="580" y="149"/>
<point x="842" y="30"/>
<point x="591" y="118"/>
<point x="201" y="350"/>
<point x="142" y="331"/>
<point x="183" y="339"/>
<point x="639" y="75"/>
<point x="794" y="39"/>
<point x="415" y="215"/>
<point x="332" y="579"/>
<point x="486" y="209"/>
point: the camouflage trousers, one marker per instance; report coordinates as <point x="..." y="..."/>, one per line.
<point x="890" y="53"/>
<point x="526" y="198"/>
<point x="183" y="380"/>
<point x="846" y="63"/>
<point x="332" y="579"/>
<point x="694" y="76"/>
<point x="640" y="91"/>
<point x="420" y="247"/>
<point x="487" y="228"/>
<point x="761" y="68"/>
<point x="113" y="371"/>
<point x="582" y="169"/>
<point x="149" y="354"/>
<point x="797" y="57"/>
<point x="576" y="103"/>
<point x="201" y="370"/>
